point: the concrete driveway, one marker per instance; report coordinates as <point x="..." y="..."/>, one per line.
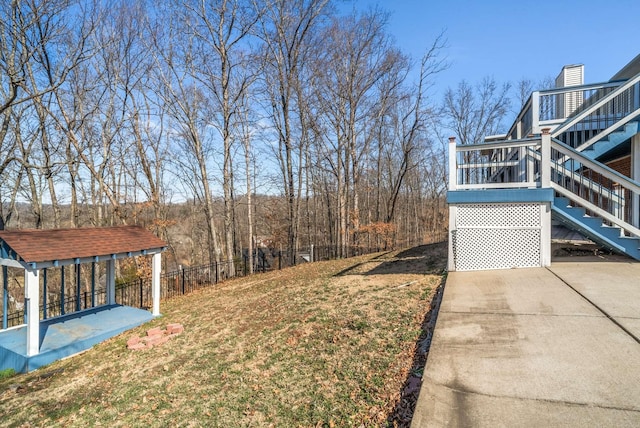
<point x="536" y="347"/>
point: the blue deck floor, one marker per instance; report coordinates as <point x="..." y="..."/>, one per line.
<point x="67" y="335"/>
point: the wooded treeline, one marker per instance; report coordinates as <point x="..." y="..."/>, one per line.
<point x="217" y="123"/>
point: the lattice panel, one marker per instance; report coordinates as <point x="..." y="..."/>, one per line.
<point x="498" y="215"/>
<point x="497" y="236"/>
<point x="481" y="249"/>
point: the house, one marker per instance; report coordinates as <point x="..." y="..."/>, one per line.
<point x="572" y="156"/>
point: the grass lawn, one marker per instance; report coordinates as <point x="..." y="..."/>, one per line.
<point x="322" y="344"/>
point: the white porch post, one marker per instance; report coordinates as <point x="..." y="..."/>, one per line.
<point x="453" y="185"/>
<point x="32" y="306"/>
<point x="535" y="113"/>
<point x="155" y="282"/>
<point x="453" y="165"/>
<point x="545" y="163"/>
<point x="635" y="175"/>
<point x="451" y="263"/>
<point x="545" y="209"/>
<point x="545" y="234"/>
<point x="111" y="282"/>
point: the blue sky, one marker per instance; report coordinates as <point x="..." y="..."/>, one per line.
<point x="510" y="40"/>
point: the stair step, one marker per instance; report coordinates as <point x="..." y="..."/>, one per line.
<point x="592" y="227"/>
<point x="634" y="240"/>
<point x="631" y="245"/>
<point x="612" y="140"/>
<point x="593" y="222"/>
<point x="610" y="232"/>
<point x="578" y="212"/>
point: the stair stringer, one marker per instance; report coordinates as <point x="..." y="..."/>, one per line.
<point x="611" y="141"/>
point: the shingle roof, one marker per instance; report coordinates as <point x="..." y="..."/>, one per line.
<point x="36" y="245"/>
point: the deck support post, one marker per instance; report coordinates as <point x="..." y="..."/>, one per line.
<point x="451" y="262"/>
<point x="155" y="282"/>
<point x="453" y="185"/>
<point x="32" y="307"/>
<point x="545" y="208"/>
<point x="545" y="234"/>
<point x="545" y="164"/>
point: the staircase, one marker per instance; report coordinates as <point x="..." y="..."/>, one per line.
<point x="591" y="198"/>
<point x="611" y="142"/>
<point x="610" y="237"/>
<point x="564" y="155"/>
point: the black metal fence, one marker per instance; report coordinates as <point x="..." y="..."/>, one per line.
<point x="185" y="280"/>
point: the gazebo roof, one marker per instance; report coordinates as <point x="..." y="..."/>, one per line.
<point x="65" y="246"/>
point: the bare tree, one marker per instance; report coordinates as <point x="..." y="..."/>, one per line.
<point x="476" y="112"/>
<point x="286" y="30"/>
<point x="189" y="111"/>
<point x="359" y="55"/>
<point x="524" y="87"/>
<point x="219" y="29"/>
<point x="35" y="62"/>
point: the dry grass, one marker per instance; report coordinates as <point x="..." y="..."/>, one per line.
<point x="323" y="344"/>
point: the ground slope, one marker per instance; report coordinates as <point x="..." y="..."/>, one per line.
<point x="323" y="344"/>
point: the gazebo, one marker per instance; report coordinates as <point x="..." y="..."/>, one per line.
<point x="38" y="341"/>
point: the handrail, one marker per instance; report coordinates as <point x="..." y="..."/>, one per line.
<point x="534" y="102"/>
<point x="507" y="144"/>
<point x="558" y="165"/>
<point x="611" y="186"/>
<point x="575" y="119"/>
<point x="574" y="88"/>
<point x="596" y="209"/>
<point x="604" y="170"/>
<point x="505" y="164"/>
<point x="609" y="130"/>
<point x="526" y="108"/>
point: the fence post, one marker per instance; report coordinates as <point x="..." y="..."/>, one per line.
<point x="217" y="272"/>
<point x="280" y="260"/>
<point x="182" y="280"/>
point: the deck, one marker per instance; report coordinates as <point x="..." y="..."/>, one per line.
<point x="63" y="336"/>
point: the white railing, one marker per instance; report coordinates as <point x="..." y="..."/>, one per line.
<point x="551" y="107"/>
<point x="579" y="115"/>
<point x="606" y="115"/>
<point x="608" y="108"/>
<point x="548" y="163"/>
<point x="502" y="165"/>
<point x="599" y="189"/>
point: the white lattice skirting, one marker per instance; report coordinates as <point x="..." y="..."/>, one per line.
<point x="497" y="235"/>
